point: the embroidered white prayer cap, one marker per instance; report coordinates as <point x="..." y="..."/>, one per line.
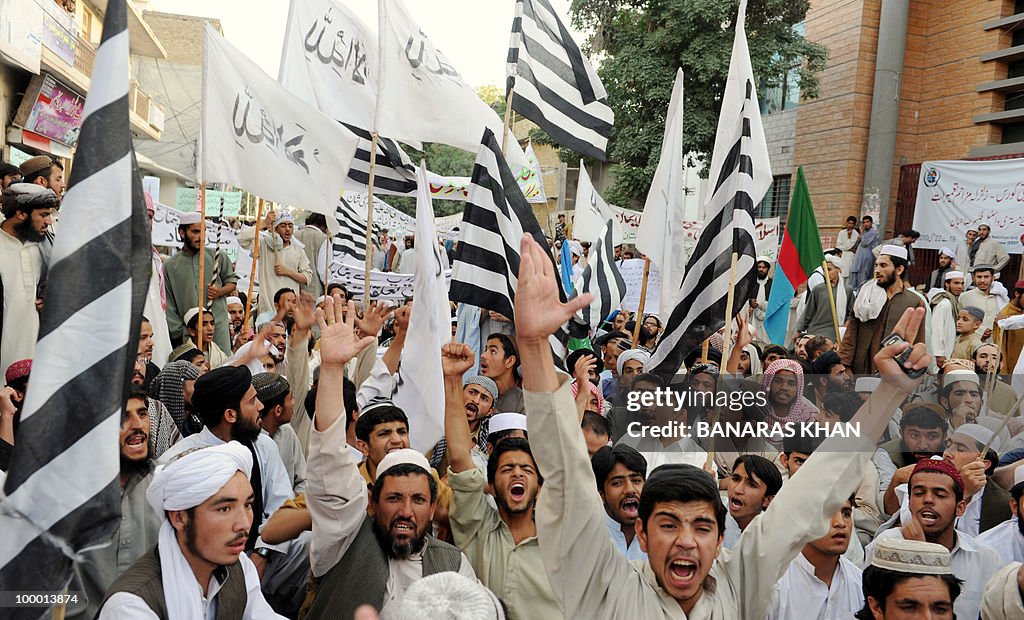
<point x="284" y="217"/>
<point x="896" y="251"/>
<point x="194" y="476"/>
<point x="234" y="300"/>
<point x="191" y="314"/>
<point x="507" y="422"/>
<point x="405" y="456"/>
<point x="912" y="556"/>
<point x="948" y="252"/>
<point x="952" y="274"/>
<point x="978" y="433"/>
<point x="449" y="596"/>
<point x="961" y="374"/>
<point x="764" y="259"/>
<point x="187" y="219"/>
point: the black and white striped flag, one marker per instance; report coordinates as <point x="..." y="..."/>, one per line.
<point x="701" y="303"/>
<point x="601" y="277"/>
<point x="394" y="172"/>
<point x="350" y="242"/>
<point x="62" y="491"/>
<point x="552" y="83"/>
<point x="486" y="267"/>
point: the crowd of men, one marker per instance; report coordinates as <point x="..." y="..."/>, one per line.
<point x="267" y="472"/>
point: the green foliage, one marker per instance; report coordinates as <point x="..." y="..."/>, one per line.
<point x="444" y="160"/>
<point x="642" y="42"/>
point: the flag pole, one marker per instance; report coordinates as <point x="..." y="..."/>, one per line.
<point x="508" y="120"/>
<point x="255" y="259"/>
<point x="832" y="301"/>
<point x="990" y="380"/>
<point x="369" y="220"/>
<point x="643" y="299"/>
<point x="202" y="265"/>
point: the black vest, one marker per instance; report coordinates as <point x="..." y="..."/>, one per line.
<point x="361" y="577"/>
<point x="143" y="579"/>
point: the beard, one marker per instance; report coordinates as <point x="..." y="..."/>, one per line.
<point x="245" y="431"/>
<point x="886" y="281"/>
<point x="25" y="230"/>
<point x="132" y="468"/>
<point x="397" y="550"/>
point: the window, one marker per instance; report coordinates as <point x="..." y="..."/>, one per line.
<point x="776" y="201"/>
<point x="786" y="95"/>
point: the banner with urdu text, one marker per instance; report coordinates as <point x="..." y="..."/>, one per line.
<point x="953" y="196"/>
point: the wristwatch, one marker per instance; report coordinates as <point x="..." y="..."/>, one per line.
<point x="264" y="552"/>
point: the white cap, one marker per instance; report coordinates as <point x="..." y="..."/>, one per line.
<point x="191" y="314"/>
<point x="575" y="247"/>
<point x="834" y="260"/>
<point x="283" y="217"/>
<point x="189" y="218"/>
<point x="405" y="456"/>
<point x="764" y="259"/>
<point x="978" y="433"/>
<point x="896" y="251"/>
<point x="952" y="274"/>
<point x="1018" y="476"/>
<point x="948" y="252"/>
<point x="960" y="374"/>
<point x="234" y="300"/>
<point x="867" y="384"/>
<point x="507" y="422"/>
<point x="449" y="596"/>
<point x="912" y="556"/>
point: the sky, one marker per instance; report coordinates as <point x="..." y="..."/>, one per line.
<point x="473" y="34"/>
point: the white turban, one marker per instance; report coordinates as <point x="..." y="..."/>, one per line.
<point x="576" y="248"/>
<point x="832" y="259"/>
<point x="449" y="596"/>
<point x="631" y="354"/>
<point x="948" y="252"/>
<point x="190" y="480"/>
<point x="283" y="217"/>
<point x="183" y="483"/>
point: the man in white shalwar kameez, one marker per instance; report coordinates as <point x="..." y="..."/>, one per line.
<point x="945" y="310"/>
<point x="156" y="303"/>
<point x="847" y="241"/>
<point x="282" y="263"/>
<point x="1007" y="538"/>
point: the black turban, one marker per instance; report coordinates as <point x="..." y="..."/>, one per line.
<point x="220" y="389"/>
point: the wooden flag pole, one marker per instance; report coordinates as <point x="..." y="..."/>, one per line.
<point x="508" y="120"/>
<point x="638" y="319"/>
<point x="832" y="301"/>
<point x="255" y="259"/>
<point x="369" y="220"/>
<point x="327" y="262"/>
<point x="704" y="348"/>
<point x="990" y="380"/>
<point x="202" y="266"/>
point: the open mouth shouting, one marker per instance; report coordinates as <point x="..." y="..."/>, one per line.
<point x="928" y="517"/>
<point x="136" y="445"/>
<point x="682" y="573"/>
<point x="517" y="491"/>
<point x="472" y="410"/>
<point x="630" y="507"/>
<point x="403" y="528"/>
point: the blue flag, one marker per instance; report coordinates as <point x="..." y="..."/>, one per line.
<point x="566" y="260"/>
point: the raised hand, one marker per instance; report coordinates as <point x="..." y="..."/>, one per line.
<point x="919" y="359"/>
<point x="338" y="341"/>
<point x="305" y="312"/>
<point x="582" y="368"/>
<point x="743" y="335"/>
<point x="402" y="320"/>
<point x="372" y="320"/>
<point x="456" y="359"/>
<point x="538" y="312"/>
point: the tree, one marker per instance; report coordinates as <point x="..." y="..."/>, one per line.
<point x="643" y="42"/>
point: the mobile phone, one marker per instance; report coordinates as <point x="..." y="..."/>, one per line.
<point x="902" y="358"/>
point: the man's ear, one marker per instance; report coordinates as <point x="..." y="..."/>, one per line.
<point x="641" y="534"/>
<point x="179" y="519"/>
<point x="363" y="447"/>
<point x="231" y="416"/>
<point x="961" y="507"/>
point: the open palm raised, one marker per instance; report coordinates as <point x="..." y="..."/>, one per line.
<point x="538" y="310"/>
<point x="338" y="340"/>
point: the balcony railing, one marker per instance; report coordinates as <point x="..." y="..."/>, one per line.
<point x="85" y="56"/>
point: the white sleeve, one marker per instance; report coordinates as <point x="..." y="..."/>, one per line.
<point x="886" y="468"/>
<point x="125" y="606"/>
<point x="380" y="384"/>
<point x="256" y="607"/>
<point x="943" y="330"/>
